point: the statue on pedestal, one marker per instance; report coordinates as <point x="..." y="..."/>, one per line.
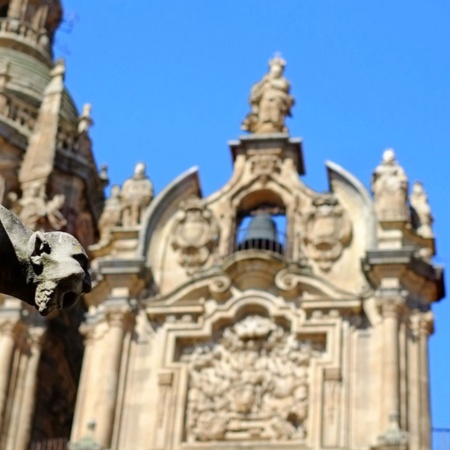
<point x="270" y="101"/>
<point x="390" y="189"/>
<point x="421" y="211"/>
<point x="137" y="193"/>
<point x="111" y="214"/>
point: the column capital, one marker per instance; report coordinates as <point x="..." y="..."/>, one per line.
<point x="422" y="323"/>
<point x="391" y="301"/>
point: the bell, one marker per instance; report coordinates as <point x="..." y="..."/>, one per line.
<point x="261" y="234"/>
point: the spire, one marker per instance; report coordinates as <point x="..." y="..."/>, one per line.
<point x="39" y="159"/>
<point x="270" y="101"/>
<point x="85" y="120"/>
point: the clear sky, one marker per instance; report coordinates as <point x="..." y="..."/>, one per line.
<point x="169" y="82"/>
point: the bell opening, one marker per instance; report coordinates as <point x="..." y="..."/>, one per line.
<point x="260" y="230"/>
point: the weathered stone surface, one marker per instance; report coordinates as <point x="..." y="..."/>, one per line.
<point x="270" y="101"/>
<point x="46" y="270"/>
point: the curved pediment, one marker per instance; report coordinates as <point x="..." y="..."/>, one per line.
<point x="165" y="204"/>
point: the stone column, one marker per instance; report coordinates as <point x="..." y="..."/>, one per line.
<point x="390" y="311"/>
<point x="425" y="329"/>
<point x="29" y="388"/>
<point x="393" y="438"/>
<point x="84" y="408"/>
<point x="118" y="321"/>
<point x="7" y="344"/>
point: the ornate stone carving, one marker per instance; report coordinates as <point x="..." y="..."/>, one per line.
<point x="137" y="193"/>
<point x="264" y="166"/>
<point x="35" y="211"/>
<point x="111" y="214"/>
<point x="390" y="188"/>
<point x="250" y="384"/>
<point x="421" y="211"/>
<point x="270" y="101"/>
<point x="47" y="270"/>
<point x="327" y="231"/>
<point x="195" y="233"/>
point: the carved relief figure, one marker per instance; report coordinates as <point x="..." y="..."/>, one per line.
<point x="421" y="211"/>
<point x="195" y="233"/>
<point x="250" y="384"/>
<point x="47" y="270"/>
<point x="111" y="214"/>
<point x="270" y="101"/>
<point x="327" y="231"/>
<point x="36" y="212"/>
<point x="137" y="193"/>
<point x="390" y="189"/>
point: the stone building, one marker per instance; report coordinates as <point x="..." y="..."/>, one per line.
<point x="263" y="316"/>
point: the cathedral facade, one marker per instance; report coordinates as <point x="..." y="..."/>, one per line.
<point x="263" y="316"/>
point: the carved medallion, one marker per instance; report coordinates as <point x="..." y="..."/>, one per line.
<point x="250" y="384"/>
<point x="195" y="234"/>
<point x="327" y="231"/>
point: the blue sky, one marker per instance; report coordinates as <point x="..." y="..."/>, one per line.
<point x="169" y="82"/>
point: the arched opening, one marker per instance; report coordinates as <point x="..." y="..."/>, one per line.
<point x="261" y="223"/>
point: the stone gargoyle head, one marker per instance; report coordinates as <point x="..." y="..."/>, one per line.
<point x="46" y="270"/>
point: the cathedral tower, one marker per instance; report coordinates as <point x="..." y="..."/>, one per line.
<point x="47" y="169"/>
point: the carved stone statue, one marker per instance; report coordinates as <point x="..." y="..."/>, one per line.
<point x="421" y="211"/>
<point x="137" y="193"/>
<point x="35" y="211"/>
<point x="47" y="270"/>
<point x="111" y="214"/>
<point x="390" y="189"/>
<point x="270" y="101"/>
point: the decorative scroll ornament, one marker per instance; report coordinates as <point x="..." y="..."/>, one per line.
<point x="327" y="231"/>
<point x="250" y="384"/>
<point x="195" y="234"/>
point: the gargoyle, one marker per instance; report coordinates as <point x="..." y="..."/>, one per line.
<point x="46" y="270"/>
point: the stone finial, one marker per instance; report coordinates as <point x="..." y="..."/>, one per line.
<point x="85" y="120"/>
<point x="421" y="211"/>
<point x="270" y="101"/>
<point x="390" y="188"/>
<point x="59" y="69"/>
<point x="137" y="193"/>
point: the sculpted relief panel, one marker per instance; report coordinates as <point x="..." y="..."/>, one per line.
<point x="251" y="384"/>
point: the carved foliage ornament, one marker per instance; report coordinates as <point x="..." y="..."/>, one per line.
<point x="195" y="233"/>
<point x="327" y="231"/>
<point x="250" y="384"/>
